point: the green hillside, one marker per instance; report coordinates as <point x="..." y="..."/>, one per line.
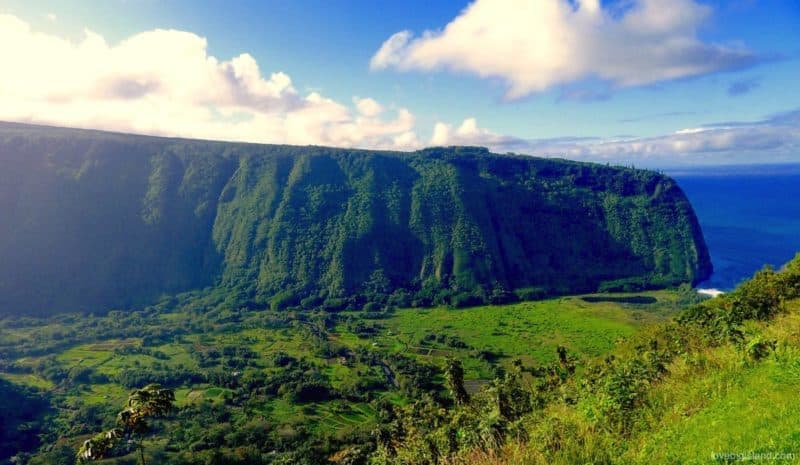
<point x="96" y="221"/>
<point x="716" y="385"/>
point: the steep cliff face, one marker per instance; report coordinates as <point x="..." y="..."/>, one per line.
<point x="93" y="221"/>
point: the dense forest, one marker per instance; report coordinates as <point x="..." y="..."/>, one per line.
<point x="97" y="221"/>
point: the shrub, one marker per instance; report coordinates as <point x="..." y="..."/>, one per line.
<point x="464" y="299"/>
<point x="283" y="300"/>
<point x="334" y="304"/>
<point x="371" y="307"/>
<point x="757" y="348"/>
<point x="531" y="293"/>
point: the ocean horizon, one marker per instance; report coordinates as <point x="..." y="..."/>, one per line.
<point x="750" y="216"/>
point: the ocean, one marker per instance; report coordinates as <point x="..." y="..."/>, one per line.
<point x="750" y="217"/>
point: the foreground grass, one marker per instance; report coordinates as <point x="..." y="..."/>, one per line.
<point x="722" y="403"/>
<point x="718" y="405"/>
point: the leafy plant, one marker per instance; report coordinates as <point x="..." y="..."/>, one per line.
<point x="152" y="401"/>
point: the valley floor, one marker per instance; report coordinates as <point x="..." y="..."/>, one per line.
<point x="86" y="365"/>
<point x="322" y="381"/>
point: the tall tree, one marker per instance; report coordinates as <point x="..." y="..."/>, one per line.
<point x="152" y="401"/>
<point x="454" y="373"/>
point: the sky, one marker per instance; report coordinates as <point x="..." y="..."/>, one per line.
<point x="653" y="83"/>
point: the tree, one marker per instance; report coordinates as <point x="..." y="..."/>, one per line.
<point x="60" y="454"/>
<point x="100" y="445"/>
<point x="152" y="401"/>
<point x="454" y="373"/>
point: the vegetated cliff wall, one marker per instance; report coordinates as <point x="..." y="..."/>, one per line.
<point x="95" y="221"/>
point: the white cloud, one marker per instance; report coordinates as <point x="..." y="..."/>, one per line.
<point x="51" y="17"/>
<point x="368" y="107"/>
<point x="535" y="45"/>
<point x="776" y="138"/>
<point x="165" y="82"/>
<point x="469" y="133"/>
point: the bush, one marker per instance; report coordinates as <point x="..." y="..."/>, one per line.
<point x="501" y="296"/>
<point x="465" y="299"/>
<point x="371" y="307"/>
<point x="757" y="348"/>
<point x="399" y="298"/>
<point x="531" y="293"/>
<point x="310" y="392"/>
<point x="624" y="285"/>
<point x="761" y="297"/>
<point x="334" y="304"/>
<point x="283" y="300"/>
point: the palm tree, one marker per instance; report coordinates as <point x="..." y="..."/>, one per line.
<point x="152" y="401"/>
<point x="99" y="445"/>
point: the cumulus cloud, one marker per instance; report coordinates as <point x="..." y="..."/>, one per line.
<point x="775" y="138"/>
<point x="535" y="45"/>
<point x="164" y="82"/>
<point x="469" y="133"/>
<point x="367" y="106"/>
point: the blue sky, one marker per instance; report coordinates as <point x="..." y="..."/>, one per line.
<point x="643" y="110"/>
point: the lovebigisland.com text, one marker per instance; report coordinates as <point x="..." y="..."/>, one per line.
<point x="730" y="457"/>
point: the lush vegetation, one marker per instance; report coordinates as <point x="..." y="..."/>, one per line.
<point x="257" y="386"/>
<point x="611" y="378"/>
<point x="304" y="305"/>
<point x="716" y="385"/>
<point x="22" y="410"/>
<point x="97" y="221"/>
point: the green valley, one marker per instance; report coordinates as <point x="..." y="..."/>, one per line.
<point x="652" y="377"/>
<point x="171" y="301"/>
<point x="315" y="382"/>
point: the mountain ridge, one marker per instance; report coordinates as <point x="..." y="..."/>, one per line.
<point x="103" y="220"/>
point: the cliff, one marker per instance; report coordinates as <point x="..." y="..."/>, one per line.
<point x="94" y="221"/>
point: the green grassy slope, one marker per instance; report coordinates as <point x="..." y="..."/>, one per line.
<point x="731" y="406"/>
<point x="717" y="385"/>
<point x="93" y="221"/>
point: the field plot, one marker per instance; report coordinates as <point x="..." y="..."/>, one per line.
<point x="530" y="331"/>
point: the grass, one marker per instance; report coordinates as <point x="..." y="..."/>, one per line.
<point x="85" y="356"/>
<point x="530" y="331"/>
<point x="108" y="393"/>
<point x="26" y="379"/>
<point x="715" y="406"/>
<point x="730" y="405"/>
<point x="747" y="411"/>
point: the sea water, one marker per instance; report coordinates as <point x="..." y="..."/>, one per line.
<point x="750" y="217"/>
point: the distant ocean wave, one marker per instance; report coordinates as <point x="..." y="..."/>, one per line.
<point x="710" y="292"/>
